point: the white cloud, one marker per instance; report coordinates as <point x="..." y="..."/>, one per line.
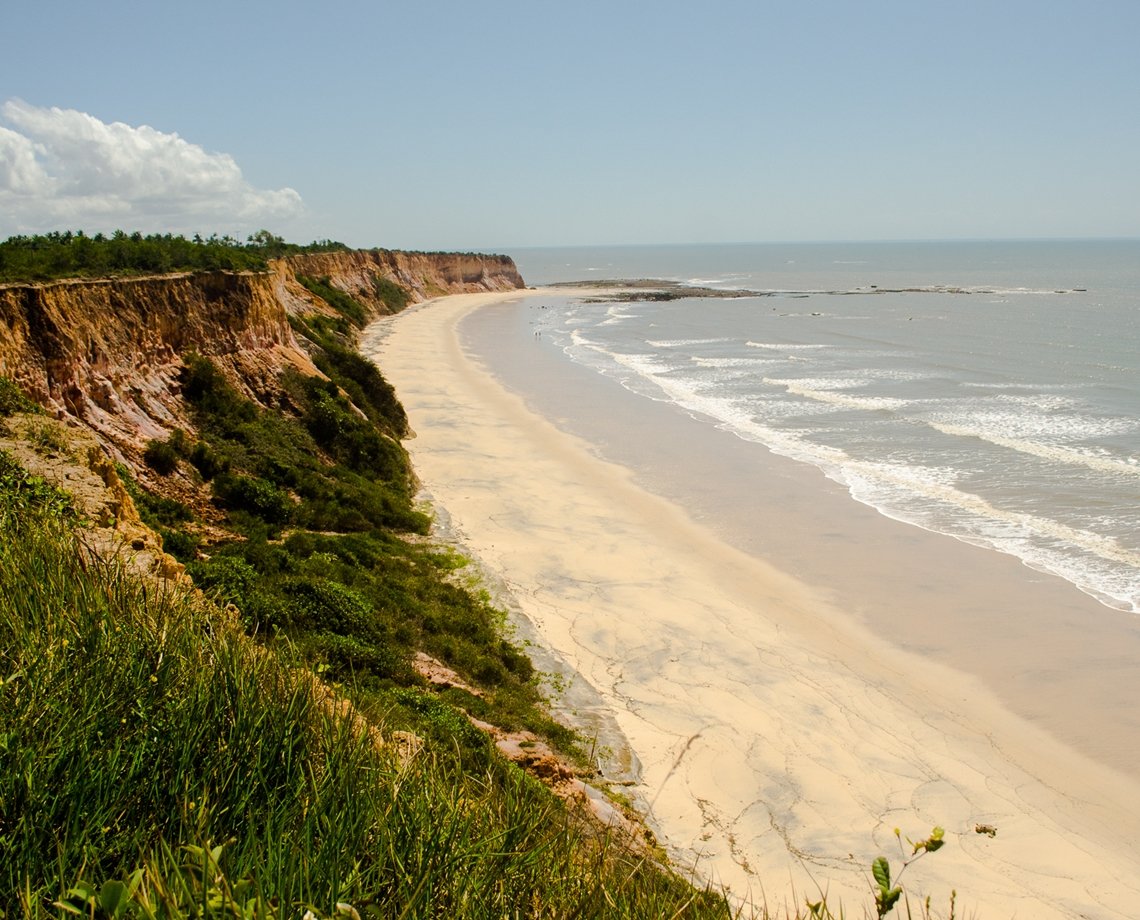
<point x="63" y="169"/>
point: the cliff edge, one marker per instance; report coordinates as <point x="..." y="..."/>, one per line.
<point x="108" y="354"/>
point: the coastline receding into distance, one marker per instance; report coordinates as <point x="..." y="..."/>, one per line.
<point x="782" y="740"/>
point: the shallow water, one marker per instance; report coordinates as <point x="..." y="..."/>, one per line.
<point x="1055" y="655"/>
<point x="1005" y="414"/>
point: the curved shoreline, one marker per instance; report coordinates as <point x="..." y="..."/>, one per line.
<point x="781" y="741"/>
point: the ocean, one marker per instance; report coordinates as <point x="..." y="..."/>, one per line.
<point x="988" y="391"/>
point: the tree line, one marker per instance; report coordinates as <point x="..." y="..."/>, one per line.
<point x="74" y="254"/>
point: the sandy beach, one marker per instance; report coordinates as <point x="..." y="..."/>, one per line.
<point x="780" y="740"/>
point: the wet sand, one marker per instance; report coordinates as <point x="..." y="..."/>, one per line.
<point x="1053" y="654"/>
<point x="781" y="738"/>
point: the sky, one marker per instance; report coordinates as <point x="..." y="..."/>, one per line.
<point x="433" y="124"/>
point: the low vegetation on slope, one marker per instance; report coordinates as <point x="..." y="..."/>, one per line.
<point x="321" y="544"/>
<point x="154" y="761"/>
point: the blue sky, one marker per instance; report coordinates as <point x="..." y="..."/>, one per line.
<point x="442" y="125"/>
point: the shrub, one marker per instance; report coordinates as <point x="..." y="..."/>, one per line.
<point x="444" y="722"/>
<point x="394" y="297"/>
<point x="13" y="399"/>
<point x="351" y="309"/>
<point x="206" y="387"/>
<point x="319" y="605"/>
<point x="23" y="495"/>
<point x="161" y="456"/>
<point x="228" y="578"/>
<point x="260" y="498"/>
<point x="349" y="438"/>
<point x="155" y="510"/>
<point x="166" y="512"/>
<point x="349" y="658"/>
<point x="181" y="545"/>
<point x="207" y="461"/>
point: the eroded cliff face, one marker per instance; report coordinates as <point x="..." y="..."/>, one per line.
<point x="108" y="354"/>
<point x="422" y="275"/>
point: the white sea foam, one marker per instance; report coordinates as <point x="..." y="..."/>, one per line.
<point x="581" y="347"/>
<point x="1099" y="565"/>
<point x="709" y="282"/>
<point x="1053" y="452"/>
<point x="1010" y="385"/>
<point x="893" y="373"/>
<point x="832" y="392"/>
<point x="700" y="361"/>
<point x="822" y="383"/>
<point x="1052" y="420"/>
<point x="1048" y="402"/>
<point x="924" y="496"/>
<point x="616" y="315"/>
<point x="921" y="495"/>
<point x="1021" y="291"/>
<point x="684" y="343"/>
<point x="650" y="366"/>
<point x="787" y="346"/>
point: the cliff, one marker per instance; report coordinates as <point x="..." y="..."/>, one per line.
<point x="108" y="353"/>
<point x="422" y="274"/>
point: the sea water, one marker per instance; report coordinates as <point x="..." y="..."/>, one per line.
<point x="989" y="391"/>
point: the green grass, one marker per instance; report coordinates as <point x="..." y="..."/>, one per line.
<point x="25" y="496"/>
<point x="13" y="399"/>
<point x="136" y="721"/>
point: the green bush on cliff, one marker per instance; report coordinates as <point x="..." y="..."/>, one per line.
<point x="207" y="389"/>
<point x="395" y="298"/>
<point x="344" y="488"/>
<point x="352" y="309"/>
<point x="338" y="359"/>
<point x="357" y="377"/>
<point x="13" y="399"/>
<point x="207" y="461"/>
<point x="161" y="456"/>
<point x="259" y="497"/>
<point x="363" y="482"/>
<point x="338" y="427"/>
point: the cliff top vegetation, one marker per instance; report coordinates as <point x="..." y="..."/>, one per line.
<point x="74" y="254"/>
